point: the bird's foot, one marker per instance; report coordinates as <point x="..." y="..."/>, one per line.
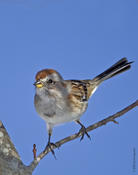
<point x="50" y="147"/>
<point x="84" y="132"/>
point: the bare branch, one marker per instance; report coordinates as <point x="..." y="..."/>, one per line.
<point x="90" y="128"/>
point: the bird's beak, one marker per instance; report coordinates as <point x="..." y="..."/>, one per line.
<point x="38" y="84"/>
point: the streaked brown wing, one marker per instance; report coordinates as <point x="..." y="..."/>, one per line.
<point x="82" y="89"/>
<point x="79" y="90"/>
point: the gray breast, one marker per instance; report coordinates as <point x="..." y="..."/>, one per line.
<point x="44" y="107"/>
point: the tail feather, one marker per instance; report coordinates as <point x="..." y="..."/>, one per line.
<point x="119" y="67"/>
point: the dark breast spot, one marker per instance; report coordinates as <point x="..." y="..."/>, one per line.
<point x="50" y="115"/>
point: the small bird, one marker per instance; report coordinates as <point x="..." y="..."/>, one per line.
<point x="59" y="101"/>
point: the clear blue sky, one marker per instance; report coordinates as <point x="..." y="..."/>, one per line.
<point x="80" y="39"/>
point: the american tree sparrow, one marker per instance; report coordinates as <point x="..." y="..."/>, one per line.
<point x="59" y="101"/>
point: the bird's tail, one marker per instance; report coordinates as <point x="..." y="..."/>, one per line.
<point x="119" y="67"/>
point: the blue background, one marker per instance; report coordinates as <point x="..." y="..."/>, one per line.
<point x="80" y="39"/>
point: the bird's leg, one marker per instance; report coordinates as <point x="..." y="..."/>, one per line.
<point x="50" y="145"/>
<point x="83" y="131"/>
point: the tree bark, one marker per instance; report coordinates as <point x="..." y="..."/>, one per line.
<point x="10" y="162"/>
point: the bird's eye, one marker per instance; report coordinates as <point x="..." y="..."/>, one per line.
<point x="50" y="81"/>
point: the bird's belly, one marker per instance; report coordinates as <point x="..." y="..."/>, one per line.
<point x="58" y="112"/>
<point x="60" y="119"/>
<point x="59" y="116"/>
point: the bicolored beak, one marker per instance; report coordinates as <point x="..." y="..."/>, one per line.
<point x="38" y="84"/>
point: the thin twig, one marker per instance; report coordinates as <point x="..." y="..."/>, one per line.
<point x="90" y="128"/>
